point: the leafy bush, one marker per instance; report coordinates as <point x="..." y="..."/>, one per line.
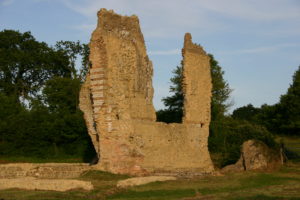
<point x="227" y="136"/>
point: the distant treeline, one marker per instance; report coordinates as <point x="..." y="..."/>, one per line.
<point x="40" y="118"/>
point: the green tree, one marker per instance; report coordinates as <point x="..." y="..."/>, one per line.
<point x="248" y="113"/>
<point x="282" y="117"/>
<point x="289" y="108"/>
<point x="220" y="95"/>
<point x="52" y="126"/>
<point x="174" y="103"/>
<point x="227" y="136"/>
<point x="220" y="91"/>
<point x="74" y="50"/>
<point x="26" y="64"/>
<point x="62" y="94"/>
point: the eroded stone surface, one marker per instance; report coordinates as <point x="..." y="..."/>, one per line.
<point x="116" y="99"/>
<point x="45" y="170"/>
<point x="31" y="183"/>
<point x="197" y="83"/>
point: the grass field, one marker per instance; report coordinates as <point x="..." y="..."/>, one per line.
<point x="283" y="184"/>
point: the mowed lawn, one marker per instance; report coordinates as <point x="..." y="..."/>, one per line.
<point x="283" y="184"/>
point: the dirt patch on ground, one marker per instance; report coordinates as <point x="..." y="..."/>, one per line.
<point x="143" y="180"/>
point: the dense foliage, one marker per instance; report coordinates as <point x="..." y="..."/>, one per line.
<point x="220" y="91"/>
<point x="281" y="118"/>
<point x="174" y="111"/>
<point x="39" y="88"/>
<point x="26" y="64"/>
<point x="227" y="136"/>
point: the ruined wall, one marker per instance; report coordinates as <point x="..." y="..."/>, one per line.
<point x="197" y="84"/>
<point x="43" y="170"/>
<point x="172" y="148"/>
<point x="116" y="99"/>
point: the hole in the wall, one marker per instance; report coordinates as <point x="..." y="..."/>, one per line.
<point x="91" y="98"/>
<point x="130" y="138"/>
<point x="95" y="126"/>
<point x="202" y="124"/>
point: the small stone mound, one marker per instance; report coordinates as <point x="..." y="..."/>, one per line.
<point x="30" y="183"/>
<point x="256" y="155"/>
<point x="143" y="180"/>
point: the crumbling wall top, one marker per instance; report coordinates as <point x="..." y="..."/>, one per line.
<point x="109" y="21"/>
<point x="192" y="47"/>
<point x="197" y="83"/>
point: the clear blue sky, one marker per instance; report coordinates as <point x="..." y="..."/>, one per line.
<point x="257" y="42"/>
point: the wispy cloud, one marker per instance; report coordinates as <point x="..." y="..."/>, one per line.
<point x="165" y="52"/>
<point x="253" y="10"/>
<point x="267" y="10"/>
<point x="158" y="18"/>
<point x="171" y="18"/>
<point x="6" y="2"/>
<point x="262" y="49"/>
<point x="85" y="27"/>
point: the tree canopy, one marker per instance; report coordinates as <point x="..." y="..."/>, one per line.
<point x="289" y="107"/>
<point x="49" y="123"/>
<point x="174" y="103"/>
<point x="245" y="113"/>
<point x="26" y="64"/>
<point x="282" y="117"/>
<point x="220" y="91"/>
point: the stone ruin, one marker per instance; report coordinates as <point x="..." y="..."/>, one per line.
<point x="116" y="99"/>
